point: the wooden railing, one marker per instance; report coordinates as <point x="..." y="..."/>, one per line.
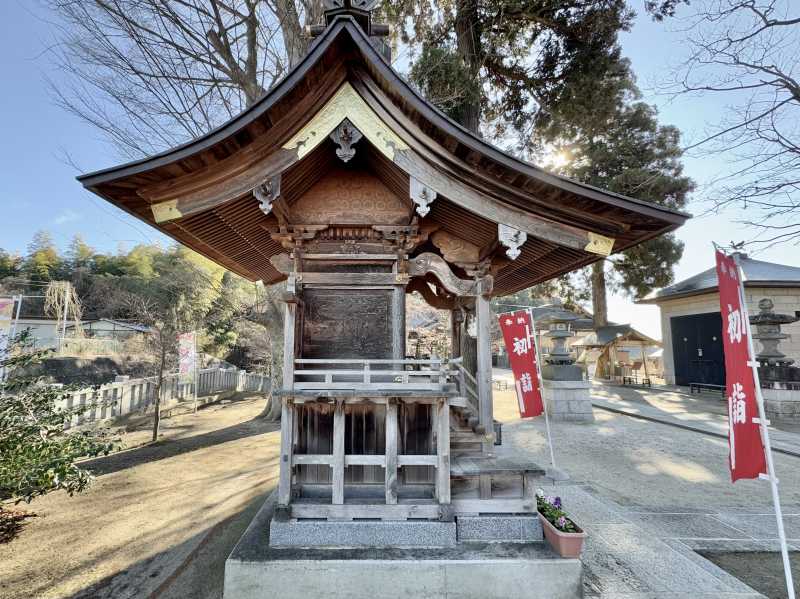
<point x="371" y="375"/>
<point x="467" y="385"/>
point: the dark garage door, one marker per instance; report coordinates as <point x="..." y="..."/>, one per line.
<point x="697" y="349"/>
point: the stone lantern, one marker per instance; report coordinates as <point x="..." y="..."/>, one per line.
<point x="768" y="332"/>
<point x="565" y="390"/>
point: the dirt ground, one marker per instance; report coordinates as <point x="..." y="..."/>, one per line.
<point x="151" y="511"/>
<point x="761" y="571"/>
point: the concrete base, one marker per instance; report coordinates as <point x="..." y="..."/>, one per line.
<point x="568" y="400"/>
<point x="501" y="528"/>
<point x="324" y="533"/>
<point x="255" y="570"/>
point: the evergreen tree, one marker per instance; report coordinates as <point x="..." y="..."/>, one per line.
<point x="631" y="154"/>
<point x="509" y="66"/>
<point x="43" y="262"/>
<point x="9" y="264"/>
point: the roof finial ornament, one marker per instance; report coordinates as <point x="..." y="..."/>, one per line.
<point x="359" y="10"/>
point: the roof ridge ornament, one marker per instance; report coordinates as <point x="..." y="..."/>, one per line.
<point x="267" y="192"/>
<point x="359" y="10"/>
<point x="511" y="238"/>
<point x="346" y="135"/>
<point x="421" y="195"/>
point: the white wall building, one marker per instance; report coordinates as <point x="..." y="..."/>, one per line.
<point x="691" y="325"/>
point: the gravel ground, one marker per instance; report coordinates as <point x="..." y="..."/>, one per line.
<point x="761" y="571"/>
<point x="645" y="464"/>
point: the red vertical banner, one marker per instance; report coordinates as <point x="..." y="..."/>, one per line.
<point x="747" y="457"/>
<point x="518" y="335"/>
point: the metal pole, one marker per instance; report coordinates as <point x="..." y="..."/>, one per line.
<point x="763" y="422"/>
<point x="541" y="388"/>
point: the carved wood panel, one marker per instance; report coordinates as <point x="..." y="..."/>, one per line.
<point x="345" y="196"/>
<point x="347" y="323"/>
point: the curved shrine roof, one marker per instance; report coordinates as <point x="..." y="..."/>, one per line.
<point x="202" y="192"/>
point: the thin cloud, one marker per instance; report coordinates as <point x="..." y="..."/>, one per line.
<point x="67" y="216"/>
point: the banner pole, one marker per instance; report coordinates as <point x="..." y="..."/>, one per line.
<point x="762" y="421"/>
<point x="541" y="387"/>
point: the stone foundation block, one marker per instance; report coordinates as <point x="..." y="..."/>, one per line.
<point x="514" y="529"/>
<point x="568" y="401"/>
<point x="361" y="533"/>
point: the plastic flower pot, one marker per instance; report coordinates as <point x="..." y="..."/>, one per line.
<point x="566" y="544"/>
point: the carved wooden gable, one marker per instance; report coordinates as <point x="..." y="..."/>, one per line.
<point x="349" y="197"/>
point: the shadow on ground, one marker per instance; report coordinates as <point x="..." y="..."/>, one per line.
<point x="172" y="447"/>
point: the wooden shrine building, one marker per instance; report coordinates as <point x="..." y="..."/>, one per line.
<point x="349" y="187"/>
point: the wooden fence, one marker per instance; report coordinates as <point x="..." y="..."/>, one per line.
<point x="135" y="395"/>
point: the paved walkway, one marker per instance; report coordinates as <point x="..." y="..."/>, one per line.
<point x="702" y="413"/>
<point x="631" y="556"/>
<point x="650" y="495"/>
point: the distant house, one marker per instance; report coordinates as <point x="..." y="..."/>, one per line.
<point x="45" y="331"/>
<point x="691" y="325"/>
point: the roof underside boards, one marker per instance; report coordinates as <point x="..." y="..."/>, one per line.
<point x="214" y="175"/>
<point x="757" y="273"/>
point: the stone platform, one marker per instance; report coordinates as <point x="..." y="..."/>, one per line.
<point x="474" y="570"/>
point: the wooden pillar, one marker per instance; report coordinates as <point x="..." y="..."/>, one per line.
<point x="289" y="328"/>
<point x="442" y="420"/>
<point x="391" y="451"/>
<point x="287" y="445"/>
<point x="337" y="484"/>
<point x="456" y="320"/>
<point x="399" y="322"/>
<point x="483" y="320"/>
<point x="287" y="408"/>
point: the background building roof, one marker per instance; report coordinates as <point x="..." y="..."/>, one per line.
<point x="756" y="274"/>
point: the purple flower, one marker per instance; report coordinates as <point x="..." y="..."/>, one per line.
<point x="557" y="502"/>
<point x="550" y="499"/>
<point x="561" y="522"/>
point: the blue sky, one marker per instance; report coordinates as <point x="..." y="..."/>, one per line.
<point x="38" y="189"/>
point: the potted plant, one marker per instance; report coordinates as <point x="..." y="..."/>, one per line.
<point x="564" y="536"/>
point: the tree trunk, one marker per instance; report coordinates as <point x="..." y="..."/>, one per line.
<point x="468" y="39"/>
<point x="599" y="303"/>
<point x="294" y="39"/>
<point x="159" y="387"/>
